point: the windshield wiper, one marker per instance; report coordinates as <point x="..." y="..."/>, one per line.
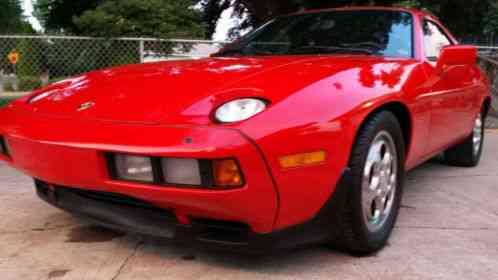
<point x="229" y="52"/>
<point x="329" y="49"/>
<point x="243" y="52"/>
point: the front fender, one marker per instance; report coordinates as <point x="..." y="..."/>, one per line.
<point x="325" y="116"/>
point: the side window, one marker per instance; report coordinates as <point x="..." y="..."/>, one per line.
<point x="434" y="40"/>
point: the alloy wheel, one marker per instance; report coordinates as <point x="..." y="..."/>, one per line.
<point x="477" y="136"/>
<point x="379" y="181"/>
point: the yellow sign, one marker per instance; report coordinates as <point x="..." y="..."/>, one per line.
<point x="13" y="57"/>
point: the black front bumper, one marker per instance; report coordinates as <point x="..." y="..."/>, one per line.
<point x="128" y="214"/>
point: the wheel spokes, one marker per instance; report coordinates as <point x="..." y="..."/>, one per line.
<point x="379" y="181"/>
<point x="477" y="134"/>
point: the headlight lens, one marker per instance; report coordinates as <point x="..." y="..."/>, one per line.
<point x="239" y="110"/>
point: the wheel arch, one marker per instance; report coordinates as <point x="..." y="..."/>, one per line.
<point x="486" y="106"/>
<point x="402" y="114"/>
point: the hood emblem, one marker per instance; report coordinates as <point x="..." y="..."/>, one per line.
<point x="86" y="106"/>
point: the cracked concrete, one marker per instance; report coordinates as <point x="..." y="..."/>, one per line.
<point x="447" y="229"/>
<point x="127" y="260"/>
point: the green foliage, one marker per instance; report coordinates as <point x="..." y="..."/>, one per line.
<point x="57" y="15"/>
<point x="11" y="19"/>
<point x="6" y="47"/>
<point x="120" y="53"/>
<point x="463" y="17"/>
<point x="62" y="59"/>
<point x="29" y="83"/>
<point x="11" y="22"/>
<point x="7" y="86"/>
<point x="156" y="18"/>
<point x="410" y="3"/>
<point x="30" y="58"/>
<point x="211" y="14"/>
<point x="111" y="18"/>
<point x="491" y="20"/>
<point x="4" y="102"/>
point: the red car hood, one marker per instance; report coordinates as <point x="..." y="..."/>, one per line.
<point x="186" y="91"/>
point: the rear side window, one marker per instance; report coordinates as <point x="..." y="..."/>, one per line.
<point x="434" y="39"/>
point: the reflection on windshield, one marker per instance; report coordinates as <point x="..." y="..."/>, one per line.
<point x="384" y="33"/>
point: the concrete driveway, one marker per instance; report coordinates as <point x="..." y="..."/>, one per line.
<point x="448" y="229"/>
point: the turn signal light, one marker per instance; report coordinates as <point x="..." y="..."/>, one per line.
<point x="226" y="173"/>
<point x="300" y="160"/>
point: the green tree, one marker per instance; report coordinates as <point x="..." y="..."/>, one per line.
<point x="30" y="60"/>
<point x="11" y="18"/>
<point x="113" y="18"/>
<point x="157" y="18"/>
<point x="491" y="21"/>
<point x="463" y="17"/>
<point x="56" y="16"/>
<point x="110" y="18"/>
<point x="11" y="22"/>
<point x="211" y="11"/>
<point x="141" y="18"/>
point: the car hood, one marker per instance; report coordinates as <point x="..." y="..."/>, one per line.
<point x="187" y="91"/>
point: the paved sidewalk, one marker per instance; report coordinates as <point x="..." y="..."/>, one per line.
<point x="492" y="122"/>
<point x="448" y="229"/>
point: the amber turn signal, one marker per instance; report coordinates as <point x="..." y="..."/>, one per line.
<point x="226" y="173"/>
<point x="305" y="159"/>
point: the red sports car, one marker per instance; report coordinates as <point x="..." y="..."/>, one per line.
<point x="300" y="132"/>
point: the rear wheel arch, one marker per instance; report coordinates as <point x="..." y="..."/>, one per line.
<point x="486" y="106"/>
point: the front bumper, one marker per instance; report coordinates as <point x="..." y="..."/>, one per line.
<point x="124" y="213"/>
<point x="277" y="208"/>
<point x="72" y="153"/>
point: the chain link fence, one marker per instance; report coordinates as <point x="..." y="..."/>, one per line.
<point x="45" y="59"/>
<point x="488" y="59"/>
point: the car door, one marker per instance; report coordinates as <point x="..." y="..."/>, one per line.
<point x="450" y="92"/>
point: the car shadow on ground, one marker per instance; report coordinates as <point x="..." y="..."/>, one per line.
<point x="284" y="261"/>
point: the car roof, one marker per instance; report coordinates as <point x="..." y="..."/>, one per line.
<point x="370" y="8"/>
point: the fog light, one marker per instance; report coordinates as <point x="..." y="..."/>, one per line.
<point x="226" y="173"/>
<point x="134" y="168"/>
<point x="305" y="159"/>
<point x="181" y="171"/>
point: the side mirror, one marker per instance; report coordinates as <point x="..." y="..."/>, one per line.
<point x="457" y="55"/>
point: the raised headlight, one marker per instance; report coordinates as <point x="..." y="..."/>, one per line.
<point x="239" y="110"/>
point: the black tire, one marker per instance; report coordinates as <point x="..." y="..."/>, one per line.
<point x="464" y="154"/>
<point x="354" y="235"/>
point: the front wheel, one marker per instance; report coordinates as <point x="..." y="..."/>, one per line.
<point x="374" y="198"/>
<point x="468" y="154"/>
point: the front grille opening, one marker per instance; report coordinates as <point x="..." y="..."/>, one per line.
<point x="222" y="232"/>
<point x="111" y="198"/>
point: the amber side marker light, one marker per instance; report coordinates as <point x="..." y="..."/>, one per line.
<point x="226" y="173"/>
<point x="304" y="159"/>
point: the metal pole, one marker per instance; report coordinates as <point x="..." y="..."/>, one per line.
<point x="141" y="51"/>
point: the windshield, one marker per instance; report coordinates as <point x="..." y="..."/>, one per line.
<point x="383" y="33"/>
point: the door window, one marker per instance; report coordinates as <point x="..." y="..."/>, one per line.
<point x="434" y="40"/>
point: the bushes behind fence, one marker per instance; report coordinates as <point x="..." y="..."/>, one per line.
<point x="63" y="58"/>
